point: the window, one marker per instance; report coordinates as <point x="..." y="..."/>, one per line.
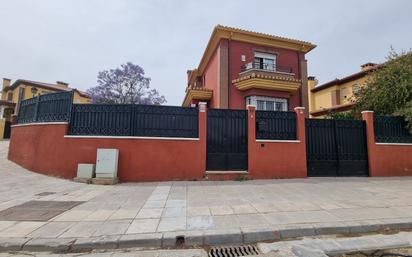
<point x="264" y="103"/>
<point x="10" y="96"/>
<point x="355" y="89"/>
<point x="265" y="61"/>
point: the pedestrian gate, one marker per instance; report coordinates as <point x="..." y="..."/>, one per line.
<point x="226" y="140"/>
<point x="7" y="127"/>
<point x="336" y="147"/>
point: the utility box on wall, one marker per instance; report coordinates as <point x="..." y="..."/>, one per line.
<point x="85" y="170"/>
<point x="106" y="163"/>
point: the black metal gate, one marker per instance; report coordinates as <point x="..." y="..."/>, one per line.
<point x="336" y="147"/>
<point x="226" y="139"/>
<point x="7" y="128"/>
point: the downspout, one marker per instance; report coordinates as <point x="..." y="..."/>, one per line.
<point x="228" y="70"/>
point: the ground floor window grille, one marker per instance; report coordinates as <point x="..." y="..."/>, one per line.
<point x="264" y="103"/>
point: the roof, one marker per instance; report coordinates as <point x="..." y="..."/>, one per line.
<point x="349" y="78"/>
<point x="338" y="108"/>
<point x="224" y="32"/>
<point x="7" y="103"/>
<point x="46" y="86"/>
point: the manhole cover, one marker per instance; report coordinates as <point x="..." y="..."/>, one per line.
<point x="37" y="210"/>
<point x="45" y="193"/>
<point x="233" y="251"/>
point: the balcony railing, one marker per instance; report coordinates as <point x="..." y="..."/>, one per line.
<point x="265" y="67"/>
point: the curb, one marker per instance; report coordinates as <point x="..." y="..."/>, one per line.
<point x="200" y="238"/>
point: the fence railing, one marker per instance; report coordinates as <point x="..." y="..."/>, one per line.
<point x="275" y="125"/>
<point x="45" y="108"/>
<point x="391" y="129"/>
<point x="134" y="120"/>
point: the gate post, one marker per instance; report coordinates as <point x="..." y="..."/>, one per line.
<point x="251" y="136"/>
<point x="301" y="133"/>
<point x="367" y="116"/>
<point x="203" y="132"/>
<point x="300" y="124"/>
<point x="251" y="125"/>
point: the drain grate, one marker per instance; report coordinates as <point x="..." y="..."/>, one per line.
<point x="233" y="251"/>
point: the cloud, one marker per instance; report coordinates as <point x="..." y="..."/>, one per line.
<point x="51" y="40"/>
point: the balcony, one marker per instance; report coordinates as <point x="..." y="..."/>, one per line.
<point x="196" y="92"/>
<point x="266" y="67"/>
<point x="257" y="75"/>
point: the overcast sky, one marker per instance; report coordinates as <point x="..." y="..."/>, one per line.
<point x="71" y="40"/>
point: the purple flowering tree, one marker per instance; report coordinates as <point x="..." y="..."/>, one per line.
<point x="124" y="85"/>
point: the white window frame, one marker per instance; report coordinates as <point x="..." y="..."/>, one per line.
<point x="252" y="100"/>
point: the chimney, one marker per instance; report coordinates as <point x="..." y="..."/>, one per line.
<point x="62" y="84"/>
<point x="312" y="82"/>
<point x="6" y="82"/>
<point x="368" y="66"/>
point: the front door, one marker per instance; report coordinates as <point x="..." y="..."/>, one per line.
<point x="226" y="140"/>
<point x="336" y="147"/>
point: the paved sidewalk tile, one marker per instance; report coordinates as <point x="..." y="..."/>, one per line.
<point x="52" y="229"/>
<point x="200" y="222"/>
<point x="21" y="229"/>
<point x="221" y="210"/>
<point x="174" y="212"/>
<point x="172" y="224"/>
<point x="149" y="213"/>
<point x="154" y="204"/>
<point x="99" y="215"/>
<point x="6" y="224"/>
<point x="82" y="229"/>
<point x="113" y="227"/>
<point x="124" y="214"/>
<point x="176" y="204"/>
<point x="73" y="215"/>
<point x="143" y="226"/>
<point x="198" y="211"/>
<point x="244" y="209"/>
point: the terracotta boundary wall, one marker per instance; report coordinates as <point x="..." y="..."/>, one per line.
<point x="277" y="158"/>
<point x="45" y="148"/>
<point x="386" y="159"/>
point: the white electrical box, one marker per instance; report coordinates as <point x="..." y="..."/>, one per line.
<point x="106" y="163"/>
<point x="85" y="170"/>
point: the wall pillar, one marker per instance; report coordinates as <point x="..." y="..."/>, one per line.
<point x="203" y="132"/>
<point x="251" y="130"/>
<point x="300" y="125"/>
<point x="367" y="116"/>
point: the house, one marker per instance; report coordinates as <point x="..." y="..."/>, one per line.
<point x="338" y="95"/>
<point x="241" y="67"/>
<point x="21" y="89"/>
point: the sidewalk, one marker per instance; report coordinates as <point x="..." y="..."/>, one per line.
<point x="204" y="212"/>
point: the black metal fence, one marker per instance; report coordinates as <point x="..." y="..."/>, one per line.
<point x="134" y="120"/>
<point x="391" y="129"/>
<point x="275" y="125"/>
<point x="46" y="108"/>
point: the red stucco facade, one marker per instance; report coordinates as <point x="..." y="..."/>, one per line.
<point x="285" y="57"/>
<point x="224" y="66"/>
